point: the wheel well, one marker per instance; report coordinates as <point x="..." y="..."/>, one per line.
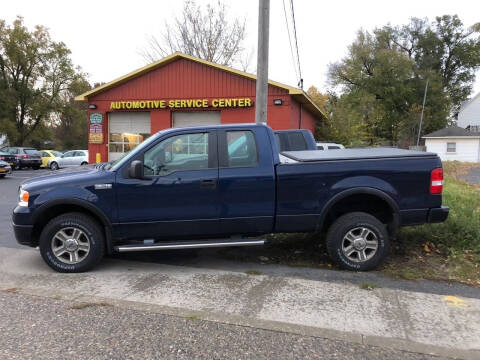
<point x="368" y="203"/>
<point x="60" y="209"/>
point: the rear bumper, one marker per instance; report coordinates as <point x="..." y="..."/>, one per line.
<point x="437" y="215"/>
<point x="30" y="162"/>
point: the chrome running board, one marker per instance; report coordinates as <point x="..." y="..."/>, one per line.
<point x="189" y="244"/>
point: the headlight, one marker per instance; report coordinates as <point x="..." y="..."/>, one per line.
<point x="23" y="197"/>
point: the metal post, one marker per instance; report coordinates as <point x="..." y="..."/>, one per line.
<point x="421" y="116"/>
<point x="262" y="62"/>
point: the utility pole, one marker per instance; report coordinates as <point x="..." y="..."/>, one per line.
<point x="262" y="62"/>
<point x="421" y="116"/>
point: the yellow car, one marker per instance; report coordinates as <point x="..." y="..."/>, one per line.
<point x="47" y="155"/>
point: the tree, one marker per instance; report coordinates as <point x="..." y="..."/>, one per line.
<point x="34" y="73"/>
<point x="392" y="65"/>
<point x="205" y="33"/>
<point x="71" y="125"/>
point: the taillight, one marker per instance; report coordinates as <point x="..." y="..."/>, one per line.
<point x="436" y="181"/>
<point x="25" y="156"/>
<point x="2" y="157"/>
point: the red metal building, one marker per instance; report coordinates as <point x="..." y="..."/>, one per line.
<point x="182" y="90"/>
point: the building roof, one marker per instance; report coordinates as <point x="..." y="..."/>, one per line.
<point x="452" y="131"/>
<point x="298" y="94"/>
<point x="468" y="102"/>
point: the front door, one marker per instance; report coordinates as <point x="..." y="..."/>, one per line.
<point x="178" y="196"/>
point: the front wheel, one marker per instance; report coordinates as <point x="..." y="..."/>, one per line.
<point x="54" y="166"/>
<point x="84" y="163"/>
<point x="357" y="241"/>
<point x="72" y="243"/>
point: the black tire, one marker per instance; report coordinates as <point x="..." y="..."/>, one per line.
<point x="2" y="176"/>
<point x="84" y="163"/>
<point x="54" y="166"/>
<point x="90" y="230"/>
<point x="338" y="245"/>
<point x="35" y="167"/>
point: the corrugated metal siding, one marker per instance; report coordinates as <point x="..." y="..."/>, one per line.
<point x="185" y="79"/>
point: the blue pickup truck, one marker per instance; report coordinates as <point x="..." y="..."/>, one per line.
<point x="225" y="186"/>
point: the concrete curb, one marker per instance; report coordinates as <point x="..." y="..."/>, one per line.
<point x="232" y="319"/>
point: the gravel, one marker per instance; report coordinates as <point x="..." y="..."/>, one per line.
<point x="43" y="328"/>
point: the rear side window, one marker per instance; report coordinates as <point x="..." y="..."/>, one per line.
<point x="319" y="147"/>
<point x="31" y="151"/>
<point x="242" y="149"/>
<point x="297" y="142"/>
<point x="333" y="147"/>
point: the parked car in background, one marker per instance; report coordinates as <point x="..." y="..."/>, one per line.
<point x="295" y="140"/>
<point x="12" y="160"/>
<point x="27" y="156"/>
<point x="69" y="159"/>
<point x="329" y="146"/>
<point x="48" y="155"/>
<point x="5" y="168"/>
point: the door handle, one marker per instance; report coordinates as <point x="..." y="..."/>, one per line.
<point x="208" y="183"/>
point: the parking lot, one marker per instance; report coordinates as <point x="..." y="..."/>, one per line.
<point x="326" y="311"/>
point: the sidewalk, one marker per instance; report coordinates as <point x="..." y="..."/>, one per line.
<point x="390" y="318"/>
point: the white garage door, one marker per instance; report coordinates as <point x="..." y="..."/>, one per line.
<point x="195" y="118"/>
<point x="126" y="131"/>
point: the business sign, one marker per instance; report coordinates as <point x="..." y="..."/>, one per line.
<point x="180" y="104"/>
<point x="95" y="133"/>
<point x="96" y="118"/>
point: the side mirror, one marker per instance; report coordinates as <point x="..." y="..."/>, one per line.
<point x="136" y="169"/>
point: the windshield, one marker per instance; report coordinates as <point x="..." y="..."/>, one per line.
<point x="114" y="165"/>
<point x="57" y="153"/>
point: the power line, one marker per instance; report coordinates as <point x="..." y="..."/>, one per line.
<point x="290" y="41"/>
<point x="296" y="45"/>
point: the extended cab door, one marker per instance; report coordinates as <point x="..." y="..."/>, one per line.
<point x="178" y="196"/>
<point x="246" y="181"/>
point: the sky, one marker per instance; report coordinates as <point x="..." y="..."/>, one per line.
<point x="106" y="36"/>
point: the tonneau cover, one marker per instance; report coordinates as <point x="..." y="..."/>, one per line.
<point x="353" y="154"/>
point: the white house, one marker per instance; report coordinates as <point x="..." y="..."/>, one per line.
<point x="454" y="143"/>
<point x="469" y="114"/>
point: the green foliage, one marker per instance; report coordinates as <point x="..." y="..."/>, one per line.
<point x="461" y="231"/>
<point x="382" y="80"/>
<point x="36" y="73"/>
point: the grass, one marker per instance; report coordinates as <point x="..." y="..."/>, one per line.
<point x="447" y="251"/>
<point x="253" y="272"/>
<point x="84" y="305"/>
<point x="368" y="285"/>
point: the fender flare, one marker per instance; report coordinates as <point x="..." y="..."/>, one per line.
<point x="361" y="191"/>
<point x="99" y="214"/>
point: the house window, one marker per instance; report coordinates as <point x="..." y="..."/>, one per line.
<point x="451" y="147"/>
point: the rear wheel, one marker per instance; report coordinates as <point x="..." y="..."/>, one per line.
<point x="35" y="167"/>
<point x="84" y="163"/>
<point x="357" y="241"/>
<point x="2" y="176"/>
<point x="54" y="166"/>
<point x="72" y="242"/>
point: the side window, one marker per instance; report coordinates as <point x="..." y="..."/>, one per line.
<point x="451" y="147"/>
<point x="332" y="147"/>
<point x="319" y="147"/>
<point x="242" y="149"/>
<point x="68" y="154"/>
<point x="79" y="153"/>
<point x="44" y="154"/>
<point x="177" y="153"/>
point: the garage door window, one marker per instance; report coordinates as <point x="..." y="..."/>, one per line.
<point x="121" y="143"/>
<point x="177" y="153"/>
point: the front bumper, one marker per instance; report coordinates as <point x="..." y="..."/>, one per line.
<point x="5" y="170"/>
<point x="23" y="234"/>
<point x="436" y="215"/>
<point x="22" y="226"/>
